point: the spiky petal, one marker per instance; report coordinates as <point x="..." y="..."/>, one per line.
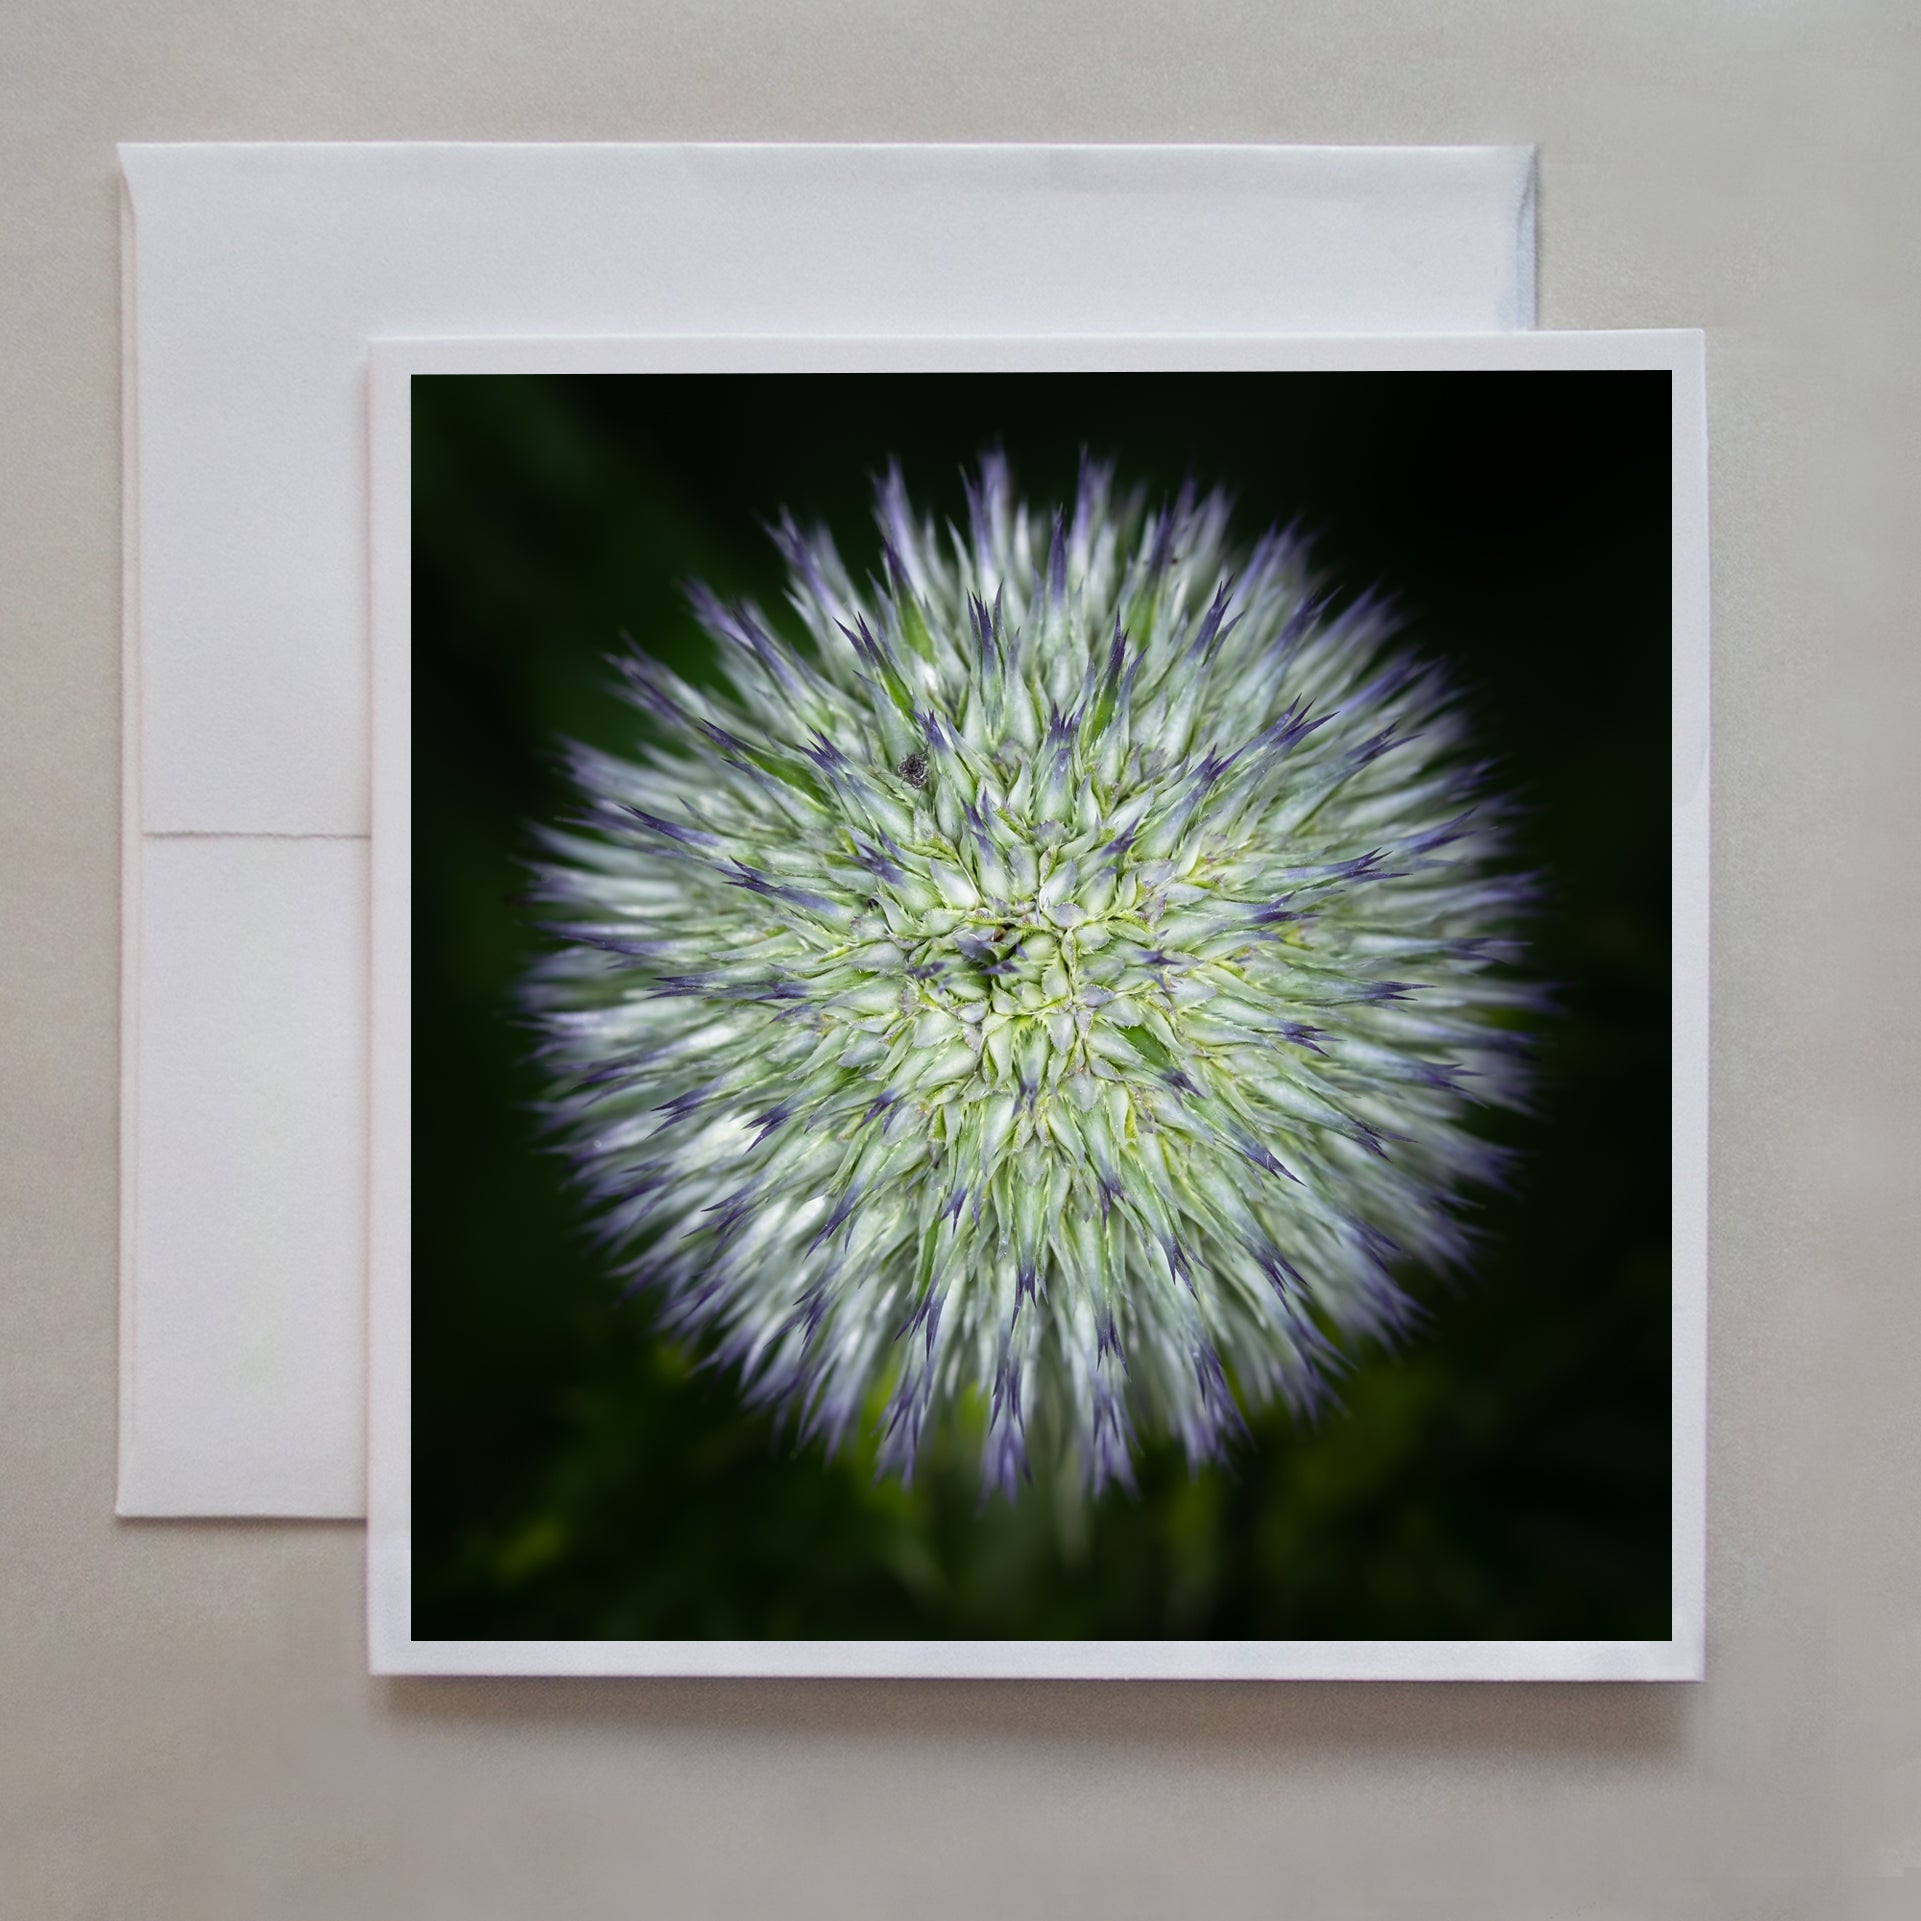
<point x="1052" y="997"/>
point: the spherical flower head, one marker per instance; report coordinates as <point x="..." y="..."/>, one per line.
<point x="1050" y="999"/>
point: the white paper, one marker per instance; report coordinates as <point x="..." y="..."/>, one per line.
<point x="391" y="1643"/>
<point x="253" y="982"/>
<point x="255" y="276"/>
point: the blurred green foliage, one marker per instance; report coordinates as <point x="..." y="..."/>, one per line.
<point x="1505" y="1475"/>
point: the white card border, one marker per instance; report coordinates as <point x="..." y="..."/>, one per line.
<point x="392" y="1647"/>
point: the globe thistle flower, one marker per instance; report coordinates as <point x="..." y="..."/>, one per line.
<point x="1051" y="999"/>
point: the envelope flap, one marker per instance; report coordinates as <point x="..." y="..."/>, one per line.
<point x="261" y="271"/>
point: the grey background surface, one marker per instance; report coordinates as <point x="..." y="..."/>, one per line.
<point x="186" y="1725"/>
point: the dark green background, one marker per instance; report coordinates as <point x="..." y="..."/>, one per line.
<point x="1505" y="1476"/>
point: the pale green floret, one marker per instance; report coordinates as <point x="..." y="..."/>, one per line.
<point x="1053" y="998"/>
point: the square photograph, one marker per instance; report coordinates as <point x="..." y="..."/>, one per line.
<point x="1039" y="1007"/>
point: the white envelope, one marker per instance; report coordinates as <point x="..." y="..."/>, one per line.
<point x="254" y="277"/>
